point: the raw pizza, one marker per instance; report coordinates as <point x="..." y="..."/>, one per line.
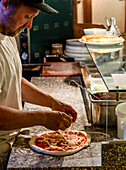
<point x="101" y="38"/>
<point x="59" y="143"/>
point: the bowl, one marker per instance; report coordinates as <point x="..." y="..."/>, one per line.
<point x="90" y="31"/>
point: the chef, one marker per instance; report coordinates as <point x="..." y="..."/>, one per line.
<point x="15" y="15"/>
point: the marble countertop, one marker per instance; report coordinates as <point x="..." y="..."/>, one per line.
<point x="23" y="157"/>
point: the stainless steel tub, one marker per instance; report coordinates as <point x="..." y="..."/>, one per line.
<point x="97" y="108"/>
<point x="103" y="106"/>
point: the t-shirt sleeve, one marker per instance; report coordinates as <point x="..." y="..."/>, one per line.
<point x="1" y="74"/>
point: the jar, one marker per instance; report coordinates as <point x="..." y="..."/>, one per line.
<point x="57" y="49"/>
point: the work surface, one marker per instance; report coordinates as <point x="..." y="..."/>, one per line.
<point x="23" y="157"/>
<point x="96" y="156"/>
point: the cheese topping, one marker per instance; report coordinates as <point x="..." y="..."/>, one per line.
<point x="55" y="141"/>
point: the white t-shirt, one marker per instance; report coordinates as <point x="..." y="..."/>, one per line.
<point x="10" y="80"/>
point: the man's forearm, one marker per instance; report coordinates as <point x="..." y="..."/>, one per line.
<point x="34" y="95"/>
<point x="11" y="119"/>
<point x="15" y="119"/>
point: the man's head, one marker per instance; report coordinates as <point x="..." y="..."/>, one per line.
<point x="16" y="15"/>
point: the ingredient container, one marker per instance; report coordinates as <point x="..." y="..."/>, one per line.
<point x="104" y="104"/>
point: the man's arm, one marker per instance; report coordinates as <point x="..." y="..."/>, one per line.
<point x="15" y="119"/>
<point x="56" y="119"/>
<point x="34" y="95"/>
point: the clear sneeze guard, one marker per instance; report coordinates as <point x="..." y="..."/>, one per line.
<point x="107" y="84"/>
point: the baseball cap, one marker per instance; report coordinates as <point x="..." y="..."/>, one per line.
<point x="41" y="5"/>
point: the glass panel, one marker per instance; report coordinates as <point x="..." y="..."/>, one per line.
<point x="110" y="61"/>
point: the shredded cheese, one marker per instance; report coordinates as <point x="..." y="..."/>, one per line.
<point x="62" y="141"/>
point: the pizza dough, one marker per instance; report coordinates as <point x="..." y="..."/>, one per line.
<point x="57" y="143"/>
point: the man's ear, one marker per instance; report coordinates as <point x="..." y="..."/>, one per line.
<point x="4" y="4"/>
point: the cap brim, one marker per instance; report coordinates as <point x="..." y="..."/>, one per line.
<point x="44" y="7"/>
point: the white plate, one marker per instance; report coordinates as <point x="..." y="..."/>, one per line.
<point x="74" y="42"/>
<point x="105" y="49"/>
<point x="75" y="54"/>
<point x="76" y="49"/>
<point x="90" y="31"/>
<point x="57" y="153"/>
<point x="102" y="44"/>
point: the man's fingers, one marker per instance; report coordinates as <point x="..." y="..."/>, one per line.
<point x="73" y="115"/>
<point x="64" y="125"/>
<point x="66" y="117"/>
<point x="65" y="120"/>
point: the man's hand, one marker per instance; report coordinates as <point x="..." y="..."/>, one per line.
<point x="56" y="120"/>
<point x="63" y="107"/>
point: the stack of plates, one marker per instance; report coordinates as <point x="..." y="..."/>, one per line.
<point x="75" y="49"/>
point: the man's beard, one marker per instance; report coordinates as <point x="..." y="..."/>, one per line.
<point x="9" y="24"/>
<point x="9" y="32"/>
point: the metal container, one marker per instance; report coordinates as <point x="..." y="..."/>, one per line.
<point x="104" y="102"/>
<point x="105" y="105"/>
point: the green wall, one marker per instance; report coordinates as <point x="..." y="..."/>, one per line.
<point x="50" y="28"/>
